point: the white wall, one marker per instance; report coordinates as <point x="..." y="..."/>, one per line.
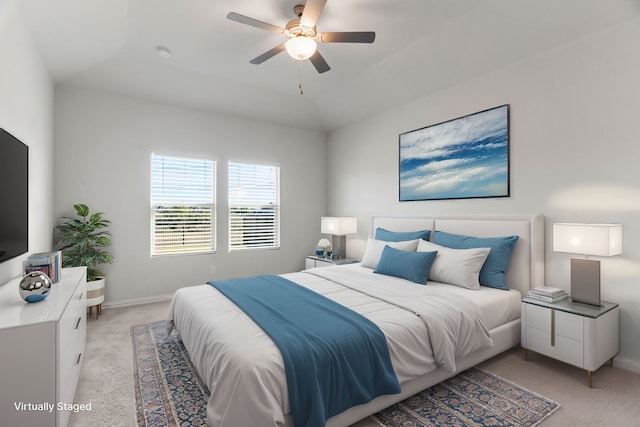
<point x="26" y="111"/>
<point x="102" y="158"/>
<point x="575" y="145"/>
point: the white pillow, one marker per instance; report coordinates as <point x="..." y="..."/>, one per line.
<point x="374" y="250"/>
<point x="460" y="267"/>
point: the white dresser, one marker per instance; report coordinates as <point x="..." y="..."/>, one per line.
<point x="41" y="352"/>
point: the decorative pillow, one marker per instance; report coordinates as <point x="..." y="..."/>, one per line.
<point x="493" y="272"/>
<point x="401" y="236"/>
<point x="375" y="247"/>
<point x="460" y="267"/>
<point x="412" y="266"/>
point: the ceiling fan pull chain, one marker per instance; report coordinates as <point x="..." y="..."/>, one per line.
<point x="300" y="84"/>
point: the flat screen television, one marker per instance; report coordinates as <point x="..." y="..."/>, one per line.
<point x="14" y="197"/>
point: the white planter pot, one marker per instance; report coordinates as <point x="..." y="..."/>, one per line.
<point x="95" y="292"/>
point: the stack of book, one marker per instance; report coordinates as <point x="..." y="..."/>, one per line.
<point x="547" y="294"/>
<point x="47" y="262"/>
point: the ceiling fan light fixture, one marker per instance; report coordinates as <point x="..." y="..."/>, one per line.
<point x="301" y="47"/>
<point x="302" y="35"/>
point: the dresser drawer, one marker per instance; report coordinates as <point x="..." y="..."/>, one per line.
<point x="72" y="336"/>
<point x="562" y="348"/>
<point x="564" y="324"/>
<point x="569" y="325"/>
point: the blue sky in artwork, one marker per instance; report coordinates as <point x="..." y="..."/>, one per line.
<point x="465" y="157"/>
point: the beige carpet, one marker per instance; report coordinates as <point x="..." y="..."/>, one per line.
<point x="107" y="379"/>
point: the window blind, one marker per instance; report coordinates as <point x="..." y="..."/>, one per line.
<point x="254" y="206"/>
<point x="182" y="205"/>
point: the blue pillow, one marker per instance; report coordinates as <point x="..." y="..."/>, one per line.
<point x="493" y="272"/>
<point x="412" y="266"/>
<point x="401" y="236"/>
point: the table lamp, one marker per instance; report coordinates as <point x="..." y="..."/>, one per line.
<point x="587" y="239"/>
<point x="339" y="226"/>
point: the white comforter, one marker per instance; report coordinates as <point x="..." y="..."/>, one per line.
<point x="426" y="328"/>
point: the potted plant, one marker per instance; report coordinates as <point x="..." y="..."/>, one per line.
<point x="83" y="241"/>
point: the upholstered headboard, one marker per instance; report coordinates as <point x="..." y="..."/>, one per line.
<point x="526" y="269"/>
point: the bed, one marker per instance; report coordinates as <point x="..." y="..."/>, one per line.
<point x="243" y="368"/>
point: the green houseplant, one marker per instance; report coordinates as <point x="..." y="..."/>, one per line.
<point x="83" y="241"/>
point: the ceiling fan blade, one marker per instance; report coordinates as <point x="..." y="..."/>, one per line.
<point x="268" y="54"/>
<point x="312" y="11"/>
<point x="254" y="23"/>
<point x="318" y="61"/>
<point x="348" y="37"/>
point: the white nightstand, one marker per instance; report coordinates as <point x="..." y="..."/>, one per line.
<point x="579" y="334"/>
<point x="312" y="261"/>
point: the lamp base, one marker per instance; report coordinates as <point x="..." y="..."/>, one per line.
<point x="339" y="246"/>
<point x="585" y="281"/>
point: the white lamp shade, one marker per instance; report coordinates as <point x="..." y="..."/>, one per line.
<point x="588" y="239"/>
<point x="301" y="47"/>
<point x="338" y="225"/>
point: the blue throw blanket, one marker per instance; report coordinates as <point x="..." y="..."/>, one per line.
<point x="334" y="357"/>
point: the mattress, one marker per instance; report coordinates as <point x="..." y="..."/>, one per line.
<point x="202" y="317"/>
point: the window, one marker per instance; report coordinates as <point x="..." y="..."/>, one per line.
<point x="182" y="205"/>
<point x="254" y="207"/>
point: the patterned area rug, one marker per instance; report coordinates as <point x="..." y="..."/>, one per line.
<point x="170" y="393"/>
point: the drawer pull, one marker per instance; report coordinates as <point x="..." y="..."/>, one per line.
<point x="78" y="358"/>
<point x="80" y="297"/>
<point x="553" y="328"/>
<point x="78" y="322"/>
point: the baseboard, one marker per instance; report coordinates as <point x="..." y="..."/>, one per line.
<point x="137" y="301"/>
<point x="627" y="364"/>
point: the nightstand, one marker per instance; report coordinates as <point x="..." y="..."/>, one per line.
<point x="579" y="334"/>
<point x="312" y="261"/>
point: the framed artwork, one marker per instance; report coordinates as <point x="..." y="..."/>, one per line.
<point x="463" y="158"/>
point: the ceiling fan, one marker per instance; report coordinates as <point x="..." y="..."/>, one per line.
<point x="302" y="35"/>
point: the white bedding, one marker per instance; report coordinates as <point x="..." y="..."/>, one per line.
<point x="244" y="369"/>
<point x="498" y="306"/>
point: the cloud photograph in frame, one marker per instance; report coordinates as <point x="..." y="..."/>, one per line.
<point x="463" y="158"/>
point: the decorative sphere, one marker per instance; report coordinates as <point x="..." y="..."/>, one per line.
<point x="35" y="286"/>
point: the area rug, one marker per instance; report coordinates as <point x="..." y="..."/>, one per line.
<point x="170" y="393"/>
